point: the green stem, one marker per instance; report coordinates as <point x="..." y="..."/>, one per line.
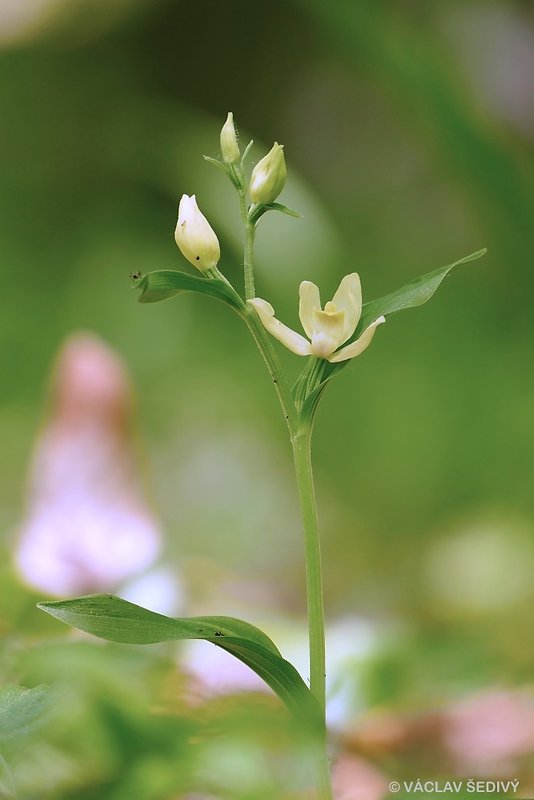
<point x="250" y="233"/>
<point x="301" y="444"/>
<point x="314" y="585"/>
<point x="300" y="431"/>
<point x="265" y="346"/>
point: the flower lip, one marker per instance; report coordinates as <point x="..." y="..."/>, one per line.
<point x="339" y="318"/>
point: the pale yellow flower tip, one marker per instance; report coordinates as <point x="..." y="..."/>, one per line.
<point x="362" y="343"/>
<point x="229" y="146"/>
<point x="268" y="176"/>
<point x="195" y="237"/>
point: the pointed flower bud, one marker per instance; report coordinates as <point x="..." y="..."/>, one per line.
<point x="269" y="176"/>
<point x="229" y="147"/>
<point x="195" y="237"/>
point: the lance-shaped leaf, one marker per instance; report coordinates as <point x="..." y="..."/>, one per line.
<point x="412" y="294"/>
<point x="118" y="620"/>
<point x="165" y="283"/>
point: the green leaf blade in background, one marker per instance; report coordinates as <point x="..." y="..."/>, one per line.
<point x="166" y="283"/>
<point x="118" y="620"/>
<point x="22" y="711"/>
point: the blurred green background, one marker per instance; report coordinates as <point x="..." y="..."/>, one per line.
<point x="408" y="130"/>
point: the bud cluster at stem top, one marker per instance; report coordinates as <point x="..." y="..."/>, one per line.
<point x="194" y="235"/>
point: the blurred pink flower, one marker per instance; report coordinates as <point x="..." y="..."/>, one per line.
<point x="357" y="779"/>
<point x="487" y="734"/>
<point x="87" y="526"/>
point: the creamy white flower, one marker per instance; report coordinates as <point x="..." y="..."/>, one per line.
<point x="327" y="329"/>
<point x="195" y="237"/>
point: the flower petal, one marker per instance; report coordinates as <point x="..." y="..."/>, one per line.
<point x="309" y="301"/>
<point x="348" y="298"/>
<point x="289" y="338"/>
<point x="355" y="348"/>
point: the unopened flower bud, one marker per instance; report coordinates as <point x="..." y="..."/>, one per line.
<point x="195" y="237"/>
<point x="269" y="176"/>
<point x="229" y="147"/>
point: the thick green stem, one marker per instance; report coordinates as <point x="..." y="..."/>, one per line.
<point x="248" y="255"/>
<point x="314" y="585"/>
<point x="301" y="444"/>
<point x="250" y="232"/>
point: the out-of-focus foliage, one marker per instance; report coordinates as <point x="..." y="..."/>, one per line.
<point x="409" y="135"/>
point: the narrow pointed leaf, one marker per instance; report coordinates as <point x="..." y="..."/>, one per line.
<point x="411" y="295"/>
<point x="285" y="210"/>
<point x="216" y="163"/>
<point x="165" y="283"/>
<point x="118" y="620"/>
<point x="246" y="152"/>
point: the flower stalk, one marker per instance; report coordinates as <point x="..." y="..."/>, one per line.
<point x="301" y="444"/>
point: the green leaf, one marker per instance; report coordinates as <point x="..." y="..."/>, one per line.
<point x="257" y="211"/>
<point x="23" y="710"/>
<point x="118" y="620"/>
<point x="165" y="283"/>
<point x="411" y="295"/>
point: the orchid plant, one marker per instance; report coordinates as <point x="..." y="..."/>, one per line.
<point x="335" y="334"/>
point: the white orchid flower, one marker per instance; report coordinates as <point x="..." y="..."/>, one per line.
<point x="327" y="329"/>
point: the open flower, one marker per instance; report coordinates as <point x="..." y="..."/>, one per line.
<point x="328" y="328"/>
<point x="195" y="237"/>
